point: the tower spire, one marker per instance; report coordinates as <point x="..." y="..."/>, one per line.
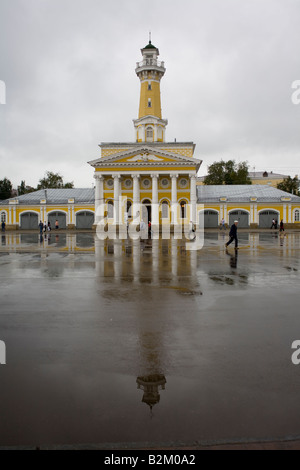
<point x="150" y="127"/>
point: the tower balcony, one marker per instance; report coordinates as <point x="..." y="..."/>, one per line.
<point x="150" y="64"/>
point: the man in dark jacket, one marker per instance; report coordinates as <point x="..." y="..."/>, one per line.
<point x="233" y="235"/>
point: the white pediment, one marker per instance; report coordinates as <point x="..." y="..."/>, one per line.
<point x="144" y="156"/>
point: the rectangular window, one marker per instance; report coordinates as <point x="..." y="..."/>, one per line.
<point x="149" y="86"/>
<point x="3" y="217"/>
<point x="149" y="103"/>
<point x="297" y="216"/>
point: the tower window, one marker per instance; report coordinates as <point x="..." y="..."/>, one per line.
<point x="149" y="86"/>
<point x="149" y="103"/>
<point x="149" y="134"/>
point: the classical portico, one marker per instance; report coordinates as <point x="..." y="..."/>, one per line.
<point x="125" y="181"/>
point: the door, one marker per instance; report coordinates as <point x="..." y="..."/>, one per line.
<point x="211" y="219"/>
<point x="241" y="216"/>
<point x="266" y="218"/>
<point x="85" y="220"/>
<point x="29" y="221"/>
<point x="60" y="216"/>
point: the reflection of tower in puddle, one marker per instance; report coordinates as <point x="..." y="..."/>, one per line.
<point x="151" y="386"/>
<point x="151" y="353"/>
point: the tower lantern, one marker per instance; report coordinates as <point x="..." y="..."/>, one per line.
<point x="150" y="127"/>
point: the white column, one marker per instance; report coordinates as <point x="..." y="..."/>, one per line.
<point x="136" y="199"/>
<point x="99" y="200"/>
<point x="116" y="198"/>
<point x="284" y="214"/>
<point x="193" y="193"/>
<point x="290" y="221"/>
<point x="155" y="208"/>
<point x="174" y="201"/>
<point x="226" y="214"/>
<point x="15" y="215"/>
<point x="255" y="214"/>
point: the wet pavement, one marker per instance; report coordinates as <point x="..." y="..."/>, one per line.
<point x="139" y="344"/>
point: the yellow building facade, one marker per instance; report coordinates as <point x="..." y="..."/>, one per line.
<point x="150" y="179"/>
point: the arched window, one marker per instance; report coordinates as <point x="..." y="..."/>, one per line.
<point x="149" y="134"/>
<point x="3" y="217"/>
<point x="165" y="210"/>
<point x="110" y="209"/>
<point x="183" y="209"/>
<point x="297" y="215"/>
<point x="129" y="208"/>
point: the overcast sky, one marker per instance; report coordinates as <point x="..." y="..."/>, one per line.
<point x="69" y="70"/>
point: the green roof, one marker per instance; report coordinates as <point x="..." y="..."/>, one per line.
<point x="150" y="46"/>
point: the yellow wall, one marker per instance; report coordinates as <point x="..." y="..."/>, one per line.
<point x="154" y="95"/>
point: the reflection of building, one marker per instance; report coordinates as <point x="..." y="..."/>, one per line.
<point x="151" y="385"/>
<point x="152" y="178"/>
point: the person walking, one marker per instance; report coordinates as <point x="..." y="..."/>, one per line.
<point x="223" y="225"/>
<point x="149" y="229"/>
<point x="281" y="227"/>
<point x="233" y="235"/>
<point x="273" y="224"/>
<point x="41" y="225"/>
<point x="56" y="225"/>
<point x="3" y="226"/>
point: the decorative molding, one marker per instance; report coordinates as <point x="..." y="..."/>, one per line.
<point x="145" y="158"/>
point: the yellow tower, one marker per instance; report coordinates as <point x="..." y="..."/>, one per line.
<point x="150" y="127"/>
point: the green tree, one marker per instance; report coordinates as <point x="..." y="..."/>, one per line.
<point x="53" y="180"/>
<point x="228" y="172"/>
<point x="290" y="185"/>
<point x="23" y="189"/>
<point x="5" y="189"/>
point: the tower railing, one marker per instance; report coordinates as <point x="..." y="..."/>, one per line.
<point x="150" y="62"/>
